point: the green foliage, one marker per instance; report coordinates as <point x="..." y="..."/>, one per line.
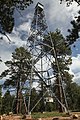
<point x="47" y="114"/>
<point x="73" y="94"/>
<point x="50" y="106"/>
<point x="18" y="71"/>
<point x="60" y="65"/>
<point x="34" y="100"/>
<point x="74" y="32"/>
<point x="0" y="98"/>
<point x="78" y="101"/>
<point x="62" y="49"/>
<point x="7" y="8"/>
<point x="60" y="43"/>
<point x="35" y="97"/>
<point x="18" y="67"/>
<point x="7" y="101"/>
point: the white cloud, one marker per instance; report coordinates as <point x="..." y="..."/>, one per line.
<point x="57" y="16"/>
<point x="73" y="9"/>
<point x="77" y="78"/>
<point x="75" y="63"/>
<point x="75" y="68"/>
<point x="24" y="27"/>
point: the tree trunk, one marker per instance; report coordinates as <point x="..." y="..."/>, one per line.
<point x="60" y="95"/>
<point x="17" y="97"/>
<point x="25" y="105"/>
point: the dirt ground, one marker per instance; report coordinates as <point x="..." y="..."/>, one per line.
<point x="56" y="118"/>
<point x="15" y="117"/>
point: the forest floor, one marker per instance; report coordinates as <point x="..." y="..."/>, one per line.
<point x="16" y="117"/>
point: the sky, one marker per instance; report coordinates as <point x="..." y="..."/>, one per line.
<point x="57" y="16"/>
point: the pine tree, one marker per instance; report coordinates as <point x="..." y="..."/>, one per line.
<point x="18" y="72"/>
<point x="62" y="60"/>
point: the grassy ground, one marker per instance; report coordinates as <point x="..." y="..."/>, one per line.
<point x="47" y="114"/>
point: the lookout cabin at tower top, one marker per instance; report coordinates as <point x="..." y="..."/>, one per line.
<point x="39" y="6"/>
